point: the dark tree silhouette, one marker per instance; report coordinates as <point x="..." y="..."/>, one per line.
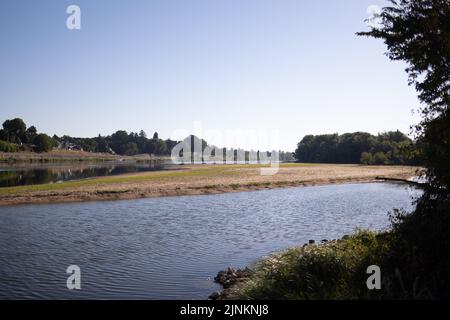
<point x="418" y="263"/>
<point x="418" y="32"/>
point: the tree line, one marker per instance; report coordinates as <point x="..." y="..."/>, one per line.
<point x="120" y="142"/>
<point x="391" y="147"/>
<point x="15" y="136"/>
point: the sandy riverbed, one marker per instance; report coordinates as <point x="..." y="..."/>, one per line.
<point x="198" y="179"/>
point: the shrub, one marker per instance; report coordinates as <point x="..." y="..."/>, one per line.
<point x="335" y="270"/>
<point x="8" y="147"/>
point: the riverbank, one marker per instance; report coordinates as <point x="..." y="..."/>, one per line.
<point x="196" y="180"/>
<point x="66" y="156"/>
<point x="408" y="261"/>
<point x="335" y="269"/>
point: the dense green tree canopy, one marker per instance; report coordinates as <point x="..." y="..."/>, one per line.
<point x="360" y="147"/>
<point x="15" y="130"/>
<point x="16" y="136"/>
<point x="43" y="143"/>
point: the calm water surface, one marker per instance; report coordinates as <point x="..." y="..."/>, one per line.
<point x="21" y="175"/>
<point x="170" y="248"/>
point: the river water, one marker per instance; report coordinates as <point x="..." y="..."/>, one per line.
<point x="171" y="248"/>
<point x="31" y="174"/>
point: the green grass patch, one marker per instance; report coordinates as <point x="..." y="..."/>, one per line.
<point x="119" y="179"/>
<point x="335" y="270"/>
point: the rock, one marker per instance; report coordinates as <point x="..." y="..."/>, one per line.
<point x="345" y="237"/>
<point x="324" y="240"/>
<point x="214" y="296"/>
<point x="230" y="276"/>
<point x="311" y="241"/>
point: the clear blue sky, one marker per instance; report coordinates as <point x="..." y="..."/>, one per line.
<point x="292" y="65"/>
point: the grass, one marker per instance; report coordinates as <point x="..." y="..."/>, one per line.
<point x="334" y="270"/>
<point x="67" y="156"/>
<point x="210" y="170"/>
<point x="118" y="179"/>
<point x="194" y="179"/>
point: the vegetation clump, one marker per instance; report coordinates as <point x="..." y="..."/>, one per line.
<point x="333" y="270"/>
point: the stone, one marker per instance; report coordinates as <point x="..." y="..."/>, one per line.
<point x="214" y="296"/>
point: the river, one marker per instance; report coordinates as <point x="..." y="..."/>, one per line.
<point x="171" y="248"/>
<point x="31" y="174"/>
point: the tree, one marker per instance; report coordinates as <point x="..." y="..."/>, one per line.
<point x="43" y="143"/>
<point x="118" y="141"/>
<point x="102" y="144"/>
<point x="170" y="144"/>
<point x="155" y="136"/>
<point x="130" y="149"/>
<point x="380" y="158"/>
<point x="142" y="134"/>
<point x="30" y="134"/>
<point x="366" y="158"/>
<point x="418" y="32"/>
<point x="15" y="130"/>
<point x="160" y="147"/>
<point x="3" y="135"/>
<point x="357" y="147"/>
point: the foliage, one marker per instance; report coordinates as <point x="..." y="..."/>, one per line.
<point x="436" y="141"/>
<point x="360" y="147"/>
<point x="43" y="143"/>
<point x="418" y="265"/>
<point x="8" y="147"/>
<point x="15" y="136"/>
<point x="14" y="131"/>
<point x="418" y="32"/>
<point x="30" y="134"/>
<point x="335" y="270"/>
<point x="121" y="142"/>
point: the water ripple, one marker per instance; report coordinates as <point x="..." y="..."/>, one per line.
<point x="171" y="248"/>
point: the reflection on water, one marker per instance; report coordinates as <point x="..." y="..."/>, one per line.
<point x="171" y="248"/>
<point x="27" y="175"/>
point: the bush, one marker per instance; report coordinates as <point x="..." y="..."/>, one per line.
<point x="335" y="270"/>
<point x="419" y="263"/>
<point x="8" y="147"/>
